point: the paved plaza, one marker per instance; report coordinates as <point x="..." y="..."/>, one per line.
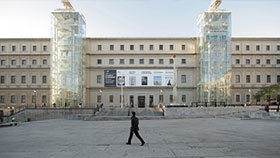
<point x="181" y="138"/>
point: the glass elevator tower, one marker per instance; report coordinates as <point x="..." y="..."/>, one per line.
<point x="67" y="57"/>
<point x="214" y="56"/>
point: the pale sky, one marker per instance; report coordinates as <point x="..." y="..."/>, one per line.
<point x="138" y="18"/>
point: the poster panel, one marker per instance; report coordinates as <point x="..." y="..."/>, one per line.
<point x="130" y="78"/>
<point x="110" y="78"/>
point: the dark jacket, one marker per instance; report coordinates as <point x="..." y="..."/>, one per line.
<point x="134" y="123"/>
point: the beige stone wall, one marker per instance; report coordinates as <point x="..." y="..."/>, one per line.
<point x="253" y="69"/>
<point x="29" y="62"/>
<point x="105" y="54"/>
<point x="93" y="68"/>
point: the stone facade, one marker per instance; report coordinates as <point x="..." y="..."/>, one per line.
<point x="22" y="59"/>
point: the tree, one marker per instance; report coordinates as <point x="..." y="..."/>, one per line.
<point x="268" y="93"/>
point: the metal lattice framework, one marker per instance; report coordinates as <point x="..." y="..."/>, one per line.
<point x="214" y="59"/>
<point x="67" y="59"/>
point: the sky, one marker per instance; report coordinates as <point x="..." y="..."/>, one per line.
<point x="138" y="18"/>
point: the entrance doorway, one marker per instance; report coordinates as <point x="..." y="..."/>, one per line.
<point x="141" y="101"/>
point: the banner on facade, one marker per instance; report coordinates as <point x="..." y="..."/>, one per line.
<point x="130" y="78"/>
<point x="110" y="78"/>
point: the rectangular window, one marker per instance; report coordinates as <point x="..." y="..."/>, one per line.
<point x="183" y="47"/>
<point x="160" y="61"/>
<point x="2" y="79"/>
<point x="183" y="79"/>
<point x="247" y="61"/>
<point x="247" y="98"/>
<point x="268" y="79"/>
<point x="111" y="47"/>
<point x="183" y="61"/>
<point x="131" y="61"/>
<point x="99" y="79"/>
<point x="278" y="61"/>
<point x="34" y="48"/>
<point x="99" y="99"/>
<point x="23" y="99"/>
<point x="268" y="48"/>
<point x="248" y="78"/>
<point x="45" y="48"/>
<point x="171" y="47"/>
<point x="237" y="78"/>
<point x="141" y="61"/>
<point x="121" y="47"/>
<point x="258" y="61"/>
<point x="171" y="98"/>
<point x="44" y="79"/>
<point x="160" y="47"/>
<point x="99" y="61"/>
<point x="34" y="62"/>
<point x="258" y="78"/>
<point x="184" y="98"/>
<point x="3" y="48"/>
<point x="171" y="61"/>
<point x="111" y="98"/>
<point x="23" y="48"/>
<point x="3" y="62"/>
<point x="237" y="98"/>
<point x="13" y="62"/>
<point x="23" y="79"/>
<point x="33" y="79"/>
<point x="257" y="47"/>
<point x="237" y="61"/>
<point x="151" y="47"/>
<point x="141" y="47"/>
<point x="131" y="47"/>
<point x="13" y="48"/>
<point x="160" y="98"/>
<point x="247" y="48"/>
<point x="111" y="61"/>
<point x="23" y="62"/>
<point x="278" y="78"/>
<point x="2" y="99"/>
<point x="151" y="61"/>
<point x="33" y="98"/>
<point x="278" y="47"/>
<point x="122" y="61"/>
<point x="267" y="61"/>
<point x="99" y="47"/>
<point x="237" y="48"/>
<point x="13" y="99"/>
<point x="45" y="62"/>
<point x="44" y="99"/>
<point x="13" y="79"/>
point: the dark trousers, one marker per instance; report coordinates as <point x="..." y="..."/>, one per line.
<point x="137" y="135"/>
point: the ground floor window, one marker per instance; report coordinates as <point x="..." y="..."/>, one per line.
<point x="171" y="98"/>
<point x="183" y="98"/>
<point x="99" y="99"/>
<point x="237" y="98"/>
<point x="161" y="98"/>
<point x="111" y="98"/>
<point x="247" y="98"/>
<point x="23" y="99"/>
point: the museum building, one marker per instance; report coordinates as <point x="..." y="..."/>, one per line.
<point x="71" y="69"/>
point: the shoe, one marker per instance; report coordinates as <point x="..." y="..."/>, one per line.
<point x="143" y="144"/>
<point x="128" y="143"/>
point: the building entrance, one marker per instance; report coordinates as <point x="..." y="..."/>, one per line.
<point x="141" y="101"/>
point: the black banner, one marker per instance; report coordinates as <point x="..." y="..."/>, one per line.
<point x="110" y="78"/>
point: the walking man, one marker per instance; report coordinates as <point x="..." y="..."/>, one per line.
<point x="134" y="129"/>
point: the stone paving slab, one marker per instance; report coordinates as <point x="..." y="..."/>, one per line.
<point x="180" y="138"/>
